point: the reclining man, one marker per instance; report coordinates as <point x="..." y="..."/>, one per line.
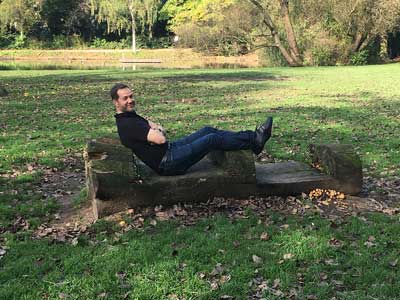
<point x="148" y="140"/>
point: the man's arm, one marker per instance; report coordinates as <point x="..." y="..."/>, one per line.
<point x="156" y="136"/>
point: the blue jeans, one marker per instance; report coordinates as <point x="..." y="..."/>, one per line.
<point x="185" y="152"/>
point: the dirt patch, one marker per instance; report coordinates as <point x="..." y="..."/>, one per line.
<point x="67" y="187"/>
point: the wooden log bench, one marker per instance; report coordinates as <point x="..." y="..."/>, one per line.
<point x="117" y="180"/>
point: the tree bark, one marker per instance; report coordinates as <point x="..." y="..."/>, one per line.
<point x="290" y="59"/>
<point x="291" y="37"/>
<point x="358" y="40"/>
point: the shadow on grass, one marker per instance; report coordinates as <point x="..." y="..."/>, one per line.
<point x="234" y="75"/>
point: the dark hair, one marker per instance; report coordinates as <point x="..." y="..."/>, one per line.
<point x="114" y="90"/>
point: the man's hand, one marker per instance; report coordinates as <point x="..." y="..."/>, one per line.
<point x="156" y="127"/>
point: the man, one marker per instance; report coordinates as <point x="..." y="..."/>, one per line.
<point x="148" y="140"/>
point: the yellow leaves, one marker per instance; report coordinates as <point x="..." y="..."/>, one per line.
<point x="326" y="194"/>
<point x="327" y="197"/>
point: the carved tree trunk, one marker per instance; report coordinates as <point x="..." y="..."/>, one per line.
<point x="290" y="58"/>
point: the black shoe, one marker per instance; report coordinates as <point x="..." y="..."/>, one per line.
<point x="263" y="133"/>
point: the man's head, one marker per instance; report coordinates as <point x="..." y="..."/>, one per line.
<point x="122" y="97"/>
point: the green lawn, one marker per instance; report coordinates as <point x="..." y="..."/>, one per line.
<point x="48" y="115"/>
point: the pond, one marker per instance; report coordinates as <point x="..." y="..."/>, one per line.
<point x="32" y="64"/>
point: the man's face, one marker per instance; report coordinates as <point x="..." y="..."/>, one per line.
<point x="125" y="101"/>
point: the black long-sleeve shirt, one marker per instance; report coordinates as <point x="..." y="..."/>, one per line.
<point x="133" y="130"/>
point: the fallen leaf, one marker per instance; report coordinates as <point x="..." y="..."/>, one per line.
<point x="278" y="293"/>
<point x="257" y="260"/>
<point x="218" y="269"/>
<point x="288" y="256"/>
<point x="393" y="263"/>
<point x="214" y="285"/>
<point x="369" y="244"/>
<point x="74" y="241"/>
<point x="331" y="262"/>
<point x="276" y="284"/>
<point x="2" y="252"/>
<point x="323" y="276"/>
<point x="224" y="279"/>
<point x="264" y="236"/>
<point x="102" y="295"/>
<point x="121" y="275"/>
<point x="292" y="294"/>
<point x="335" y="243"/>
<point x="337" y="283"/>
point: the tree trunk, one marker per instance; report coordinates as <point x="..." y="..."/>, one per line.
<point x="290" y="59"/>
<point x="291" y="37"/>
<point x="358" y="40"/>
<point x="133" y="35"/>
<point x="133" y="25"/>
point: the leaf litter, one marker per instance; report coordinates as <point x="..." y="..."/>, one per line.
<point x="328" y="203"/>
<point x="70" y="223"/>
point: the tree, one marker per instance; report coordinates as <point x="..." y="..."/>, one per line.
<point x="126" y="14"/>
<point x="356" y="24"/>
<point x="290" y="52"/>
<point x="250" y="27"/>
<point x="118" y="14"/>
<point x="19" y="15"/>
<point x="150" y="14"/>
<point x="211" y="26"/>
<point x="365" y="20"/>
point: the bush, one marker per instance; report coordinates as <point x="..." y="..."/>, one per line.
<point x="6" y="40"/>
<point x="158" y="43"/>
<point x="37" y="44"/>
<point x="226" y="32"/>
<point x="360" y="58"/>
<point x="322" y="57"/>
<point x="63" y="42"/>
<point x="104" y="44"/>
<point x="209" y="40"/>
<point x="19" y="42"/>
<point x="272" y="57"/>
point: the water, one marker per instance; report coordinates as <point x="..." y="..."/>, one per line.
<point x="98" y="65"/>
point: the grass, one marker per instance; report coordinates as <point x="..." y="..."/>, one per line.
<point x="49" y="114"/>
<point x="168" y="260"/>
